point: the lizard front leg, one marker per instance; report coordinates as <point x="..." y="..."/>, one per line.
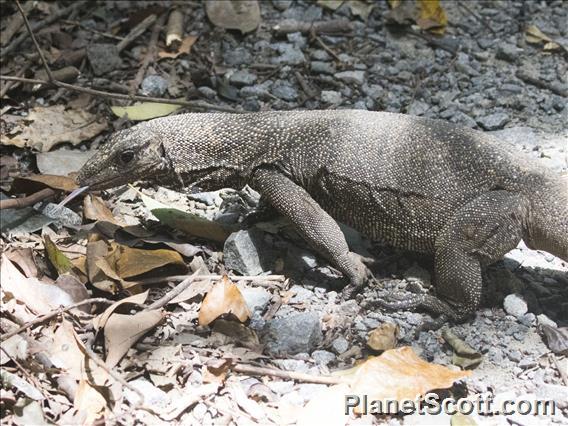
<point x="315" y="225"/>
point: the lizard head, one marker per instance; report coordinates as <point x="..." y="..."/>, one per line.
<point x="129" y="155"/>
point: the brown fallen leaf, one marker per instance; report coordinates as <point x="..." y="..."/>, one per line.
<point x="33" y="183"/>
<point x="432" y="16"/>
<point x="184" y="48"/>
<point x="383" y="337"/>
<point x="224" y="298"/>
<point x="45" y="127"/>
<point x="122" y="331"/>
<point x="243" y="15"/>
<point x="132" y="262"/>
<point x="23" y="257"/>
<point x="464" y="355"/>
<point x="408" y="376"/>
<point x="94" y="208"/>
<point x="101" y="320"/>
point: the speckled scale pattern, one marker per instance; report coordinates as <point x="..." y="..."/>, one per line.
<point x="415" y="183"/>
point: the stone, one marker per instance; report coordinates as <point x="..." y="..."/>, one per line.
<point x="293" y="334"/>
<point x="493" y="121"/>
<point x="289" y="54"/>
<point x="245" y="252"/>
<point x="323" y="357"/>
<point x="242" y="78"/>
<point x="515" y="305"/>
<point x="351" y="77"/>
<point x="154" y="85"/>
<point x="207" y="92"/>
<point x="331" y="97"/>
<point x="284" y="91"/>
<point x="256" y="298"/>
<point x="238" y="56"/>
<point x="321" y="67"/>
<point x="507" y="52"/>
<point x="103" y="58"/>
<point x="340" y="345"/>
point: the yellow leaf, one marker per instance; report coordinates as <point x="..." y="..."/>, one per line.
<point x="59" y="261"/>
<point x="132" y="262"/>
<point x="432" y="16"/>
<point x="144" y="110"/>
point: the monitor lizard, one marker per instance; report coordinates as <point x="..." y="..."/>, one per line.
<point x="415" y="183"/>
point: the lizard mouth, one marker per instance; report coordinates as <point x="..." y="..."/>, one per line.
<point x="97" y="185"/>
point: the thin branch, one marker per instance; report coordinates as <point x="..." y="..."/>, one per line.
<point x="201" y="105"/>
<point x="163" y="301"/>
<point x="30" y="200"/>
<point x="253" y="278"/>
<point x="53" y="314"/>
<point x="293" y="375"/>
<point x="39" y="51"/>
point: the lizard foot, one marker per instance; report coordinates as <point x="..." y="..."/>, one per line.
<point x="359" y="275"/>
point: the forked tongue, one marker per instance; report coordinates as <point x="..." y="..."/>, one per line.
<point x="72" y="195"/>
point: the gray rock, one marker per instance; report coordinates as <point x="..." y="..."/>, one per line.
<point x="204" y="197"/>
<point x="331" y="97"/>
<point x="238" y="56"/>
<point x="297" y="39"/>
<point x="323" y="357"/>
<point x="340" y="345"/>
<point x="242" y="78"/>
<point x="284" y="91"/>
<point x="308" y="14"/>
<point x="281" y="5"/>
<point x="557" y="393"/>
<point x="293" y="334"/>
<point x="245" y="252"/>
<point x="543" y="319"/>
<point x="493" y="121"/>
<point x="418" y="108"/>
<point x="260" y="91"/>
<point x="103" y="58"/>
<point x="301" y="294"/>
<point x="320" y="55"/>
<point x="351" y="77"/>
<point x="507" y="52"/>
<point x="321" y="67"/>
<point x="463" y="119"/>
<point x="256" y="298"/>
<point x="289" y="54"/>
<point x="515" y="305"/>
<point x="154" y="85"/>
<point x="207" y="92"/>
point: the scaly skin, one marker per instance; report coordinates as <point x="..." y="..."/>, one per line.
<point x="415" y="183"/>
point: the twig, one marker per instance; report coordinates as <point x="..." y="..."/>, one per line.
<point x="53" y="314"/>
<point x="30" y="200"/>
<point x="31" y="378"/>
<point x="136" y="32"/>
<point x="110" y="371"/>
<point x="12" y="84"/>
<point x="41" y="24"/>
<point x="336" y="26"/>
<point x="125" y="42"/>
<point x="253" y="278"/>
<point x="326" y="47"/>
<point x="102" y="34"/>
<point x="39" y="51"/>
<point x="476" y="16"/>
<point x="293" y="375"/>
<point x="201" y="105"/>
<point x="163" y="301"/>
<point x="150" y="54"/>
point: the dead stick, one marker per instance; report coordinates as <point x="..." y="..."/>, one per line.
<point x="194" y="277"/>
<point x="53" y="314"/>
<point x="191" y="104"/>
<point x="150" y="54"/>
<point x="136" y="32"/>
<point x="30" y="200"/>
<point x="43" y="23"/>
<point x="293" y="375"/>
<point x="39" y="51"/>
<point x="163" y="301"/>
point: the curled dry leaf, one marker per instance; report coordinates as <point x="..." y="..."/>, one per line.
<point x="243" y="15"/>
<point x="224" y="298"/>
<point x="137" y="299"/>
<point x="399" y="374"/>
<point x="45" y="127"/>
<point x="94" y="208"/>
<point x="34" y="183"/>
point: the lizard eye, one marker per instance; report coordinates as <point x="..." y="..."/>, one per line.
<point x="126" y="156"/>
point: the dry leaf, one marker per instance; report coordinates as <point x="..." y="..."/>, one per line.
<point x="184" y="48"/>
<point x="224" y="298"/>
<point x="243" y="15"/>
<point x="122" y="331"/>
<point x="383" y="337"/>
<point x="101" y="320"/>
<point x="64" y="351"/>
<point x="326" y="407"/>
<point x="464" y="355"/>
<point x="132" y="262"/>
<point x="45" y="127"/>
<point x="33" y="183"/>
<point x="535" y="36"/>
<point x="408" y="376"/>
<point x="360" y="8"/>
<point x="90" y="401"/>
<point x="144" y="110"/>
<point x="330" y="4"/>
<point x="94" y="208"/>
<point x="432" y="16"/>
